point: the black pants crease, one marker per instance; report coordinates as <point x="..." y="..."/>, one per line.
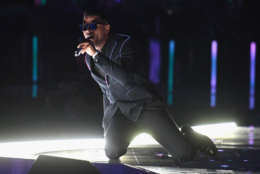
<point x="155" y="120"/>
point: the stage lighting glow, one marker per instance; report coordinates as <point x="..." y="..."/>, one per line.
<point x="44" y="2"/>
<point x="143" y="139"/>
<point x="170" y="72"/>
<point x="221" y="130"/>
<point x="93" y="149"/>
<point x="251" y="135"/>
<point x="213" y="82"/>
<point x="37" y="2"/>
<point x="155" y="61"/>
<point x="31" y="149"/>
<point x="252" y="76"/>
<point x="40" y="2"/>
<point x="34" y="66"/>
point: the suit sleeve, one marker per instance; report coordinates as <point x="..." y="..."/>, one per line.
<point x="122" y="71"/>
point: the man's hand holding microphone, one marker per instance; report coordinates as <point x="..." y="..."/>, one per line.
<point x="87" y="46"/>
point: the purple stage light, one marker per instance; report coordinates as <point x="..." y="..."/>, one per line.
<point x="40" y="2"/>
<point x="155" y="61"/>
<point x="252" y="76"/>
<point x="37" y="2"/>
<point x="224" y="165"/>
<point x="251" y="136"/>
<point x="213" y="82"/>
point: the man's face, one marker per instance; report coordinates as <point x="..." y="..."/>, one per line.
<point x="100" y="34"/>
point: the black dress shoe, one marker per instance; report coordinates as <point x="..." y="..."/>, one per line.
<point x="201" y="142"/>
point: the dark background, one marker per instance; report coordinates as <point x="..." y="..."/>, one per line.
<point x="69" y="103"/>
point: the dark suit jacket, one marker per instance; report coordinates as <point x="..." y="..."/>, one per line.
<point x="123" y="86"/>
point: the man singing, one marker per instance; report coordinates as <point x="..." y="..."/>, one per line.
<point x="130" y="104"/>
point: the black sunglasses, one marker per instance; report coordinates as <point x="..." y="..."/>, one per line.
<point x="91" y="26"/>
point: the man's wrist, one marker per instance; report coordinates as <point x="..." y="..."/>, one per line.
<point x="95" y="54"/>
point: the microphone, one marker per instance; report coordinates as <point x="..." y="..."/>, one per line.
<point x="77" y="52"/>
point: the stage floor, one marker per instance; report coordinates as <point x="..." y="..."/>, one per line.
<point x="238" y="153"/>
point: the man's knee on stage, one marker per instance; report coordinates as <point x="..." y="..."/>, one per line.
<point x="115" y="152"/>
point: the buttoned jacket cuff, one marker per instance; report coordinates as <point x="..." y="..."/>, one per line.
<point x="95" y="56"/>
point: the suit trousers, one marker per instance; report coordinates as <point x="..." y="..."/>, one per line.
<point x="154" y="120"/>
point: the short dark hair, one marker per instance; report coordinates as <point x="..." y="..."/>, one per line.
<point x="96" y="12"/>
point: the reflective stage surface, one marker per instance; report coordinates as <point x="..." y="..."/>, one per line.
<point x="237" y="153"/>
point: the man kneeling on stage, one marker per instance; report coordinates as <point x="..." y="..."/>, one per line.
<point x="131" y="105"/>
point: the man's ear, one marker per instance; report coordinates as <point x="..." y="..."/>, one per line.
<point x="107" y="27"/>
